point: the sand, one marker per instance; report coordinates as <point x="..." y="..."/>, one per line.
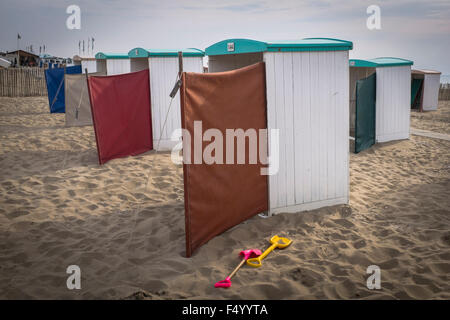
<point x="437" y="121"/>
<point x="58" y="207"/>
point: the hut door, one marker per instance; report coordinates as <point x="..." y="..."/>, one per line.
<point x="365" y="113"/>
<point x="416" y="89"/>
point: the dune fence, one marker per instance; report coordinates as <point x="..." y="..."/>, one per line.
<point x="444" y="91"/>
<point x="22" y="82"/>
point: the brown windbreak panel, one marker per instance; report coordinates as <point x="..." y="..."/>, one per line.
<point x="220" y="196"/>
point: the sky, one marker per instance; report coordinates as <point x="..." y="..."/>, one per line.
<point x="415" y="30"/>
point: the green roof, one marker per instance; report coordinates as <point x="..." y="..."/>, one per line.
<point x="380" y="62"/>
<point x="236" y="46"/>
<point x="102" y="55"/>
<point x="145" y="53"/>
<point x="311" y="44"/>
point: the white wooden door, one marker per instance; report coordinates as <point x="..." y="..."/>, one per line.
<point x="308" y="101"/>
<point x="393" y="106"/>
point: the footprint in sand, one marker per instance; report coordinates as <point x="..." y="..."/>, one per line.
<point x="346" y="289"/>
<point x="141" y="295"/>
<point x="155" y="286"/>
<point x="17" y="213"/>
<point x="445" y="256"/>
<point x="344" y="223"/>
<point x="173" y="196"/>
<point x="359" y="244"/>
<point x="282" y="259"/>
<point x="162" y="185"/>
<point x="440" y="268"/>
<point x="403" y="241"/>
<point x="389" y="264"/>
<point x="445" y="239"/>
<point x="418" y="292"/>
<point x="92" y="207"/>
<point x="345" y="212"/>
<point x="305" y="277"/>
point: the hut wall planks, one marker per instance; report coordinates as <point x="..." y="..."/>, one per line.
<point x="308" y="101"/>
<point x="393" y="104"/>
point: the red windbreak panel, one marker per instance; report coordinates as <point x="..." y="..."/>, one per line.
<point x="220" y="196"/>
<point x="121" y="114"/>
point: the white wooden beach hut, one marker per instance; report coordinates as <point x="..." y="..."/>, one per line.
<point x="393" y="94"/>
<point x="425" y="89"/>
<point x="307" y="83"/>
<point x="163" y="71"/>
<point x="86" y="63"/>
<point x="112" y="63"/>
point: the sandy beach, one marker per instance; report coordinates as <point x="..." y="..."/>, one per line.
<point x="58" y="207"/>
<point x="437" y="121"/>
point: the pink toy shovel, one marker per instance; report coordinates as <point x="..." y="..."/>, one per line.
<point x="246" y="254"/>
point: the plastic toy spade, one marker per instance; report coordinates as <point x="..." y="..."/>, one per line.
<point x="277" y="242"/>
<point x="246" y="254"/>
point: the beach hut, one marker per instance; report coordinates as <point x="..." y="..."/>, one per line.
<point x="86" y="63"/>
<point x="307" y="89"/>
<point x="112" y="63"/>
<point x="163" y="71"/>
<point x="380" y="100"/>
<point x="425" y="89"/>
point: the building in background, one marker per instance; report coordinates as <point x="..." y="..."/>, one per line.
<point x="4" y="63"/>
<point x="86" y="63"/>
<point x="50" y="61"/>
<point x="22" y="58"/>
<point x="425" y="89"/>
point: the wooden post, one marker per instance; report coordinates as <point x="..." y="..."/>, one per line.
<point x="180" y="63"/>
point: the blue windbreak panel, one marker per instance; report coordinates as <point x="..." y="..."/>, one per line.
<point x="55" y="87"/>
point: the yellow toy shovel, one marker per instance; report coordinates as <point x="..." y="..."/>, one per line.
<point x="277" y="242"/>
